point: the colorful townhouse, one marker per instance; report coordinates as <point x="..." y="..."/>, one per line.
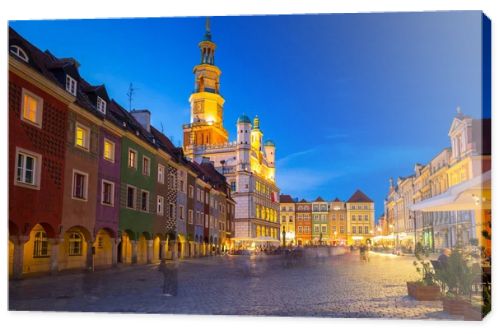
<point x="360" y="218"/>
<point x="91" y="184"/>
<point x="338" y="222"/>
<point x="320" y="233"/>
<point x="287" y="219"/>
<point x="303" y="225"/>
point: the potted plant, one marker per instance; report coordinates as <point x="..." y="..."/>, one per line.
<point x="425" y="288"/>
<point x="457" y="276"/>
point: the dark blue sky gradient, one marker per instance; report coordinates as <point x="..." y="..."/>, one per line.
<point x="349" y="99"/>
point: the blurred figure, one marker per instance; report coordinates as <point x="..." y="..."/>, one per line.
<point x="443" y="258"/>
<point x="169" y="271"/>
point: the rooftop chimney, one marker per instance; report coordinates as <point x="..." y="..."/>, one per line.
<point x="143" y="117"/>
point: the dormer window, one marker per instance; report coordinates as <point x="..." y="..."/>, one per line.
<point x="101" y="105"/>
<point x="15" y="49"/>
<point x="71" y="85"/>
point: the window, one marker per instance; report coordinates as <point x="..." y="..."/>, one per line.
<point x="160" y="205"/>
<point x="191" y="192"/>
<point x="16" y="50"/>
<point x="31" y="108"/>
<point x="290" y="219"/>
<point x="132" y="158"/>
<point x="353" y="217"/>
<point x="299" y="229"/>
<point x="108" y="192"/>
<point x="181" y="212"/>
<point x="316" y="229"/>
<point x="109" y="150"/>
<point x="145" y="165"/>
<point x="334" y="229"/>
<point x="75" y="244"/>
<point x="354" y="229"/>
<point x="233" y="186"/>
<point x="206" y="221"/>
<point x="101" y="105"/>
<point x="323" y="228"/>
<point x="80" y="185"/>
<point x="82" y="136"/>
<point x="71" y="85"/>
<point x="131" y="197"/>
<point x="41" y="245"/>
<point x="366" y="217"/>
<point x="144" y="200"/>
<point x="171" y="210"/>
<point x="366" y="229"/>
<point x="190" y="216"/>
<point x="28" y="168"/>
<point x="360" y="218"/>
<point x="161" y="174"/>
<point x="342" y="230"/>
<point x="181" y="186"/>
<point x="172" y="181"/>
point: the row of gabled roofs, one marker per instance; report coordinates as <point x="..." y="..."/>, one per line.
<point x="57" y="69"/>
<point x="357" y="197"/>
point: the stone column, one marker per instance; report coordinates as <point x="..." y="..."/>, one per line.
<point x="134" y="251"/>
<point x="90" y="255"/>
<point x="163" y="251"/>
<point x="17" y="270"/>
<point x="54" y="255"/>
<point x="149" y="252"/>
<point x="114" y="251"/>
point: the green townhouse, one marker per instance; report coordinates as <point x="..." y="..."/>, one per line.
<point x="137" y="188"/>
<point x="320" y="221"/>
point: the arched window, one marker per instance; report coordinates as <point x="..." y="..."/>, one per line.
<point x="40" y="247"/>
<point x="75" y="244"/>
<point x="15" y="49"/>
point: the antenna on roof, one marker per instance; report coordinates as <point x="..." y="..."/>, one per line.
<point x="161" y="125"/>
<point x="130" y="94"/>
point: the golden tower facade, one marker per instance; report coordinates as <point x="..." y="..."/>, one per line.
<point x="207" y="105"/>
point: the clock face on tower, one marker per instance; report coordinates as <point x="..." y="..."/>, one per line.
<point x="197" y="107"/>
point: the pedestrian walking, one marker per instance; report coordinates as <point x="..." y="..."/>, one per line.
<point x="169" y="271"/>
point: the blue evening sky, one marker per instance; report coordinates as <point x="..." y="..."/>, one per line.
<point x="349" y="99"/>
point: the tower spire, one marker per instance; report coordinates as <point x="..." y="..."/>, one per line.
<point x="208" y="34"/>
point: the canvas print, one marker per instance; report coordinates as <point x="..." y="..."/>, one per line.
<point x="284" y="165"/>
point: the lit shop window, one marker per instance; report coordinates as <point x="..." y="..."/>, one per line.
<point x="75" y="244"/>
<point x="41" y="245"/>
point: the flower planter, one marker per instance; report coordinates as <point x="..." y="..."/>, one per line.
<point x="454" y="306"/>
<point x="423" y="292"/>
<point x="472" y="313"/>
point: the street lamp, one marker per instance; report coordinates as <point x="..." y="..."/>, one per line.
<point x="284" y="236"/>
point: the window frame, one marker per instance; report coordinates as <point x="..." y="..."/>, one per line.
<point x="101" y="105"/>
<point x="160" y="204"/>
<point x="135" y="158"/>
<point x="134" y="198"/>
<point x="75" y="241"/>
<point x="86" y="139"/>
<point x="20" y="53"/>
<point x="143" y="191"/>
<point x="148" y="159"/>
<point x="86" y="186"/>
<point x="40" y="245"/>
<point x="112" y="202"/>
<point x="162" y="173"/>
<point x="39" y="109"/>
<point x="70" y="80"/>
<point x="36" y="169"/>
<point x="112" y="143"/>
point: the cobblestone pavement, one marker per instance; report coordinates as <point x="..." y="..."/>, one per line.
<point x="336" y="286"/>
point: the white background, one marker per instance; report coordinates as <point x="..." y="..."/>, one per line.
<point x="52" y="322"/>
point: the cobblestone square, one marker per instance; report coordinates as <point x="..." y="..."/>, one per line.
<point x="334" y="286"/>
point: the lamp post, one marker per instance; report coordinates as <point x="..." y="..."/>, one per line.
<point x="283" y="234"/>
